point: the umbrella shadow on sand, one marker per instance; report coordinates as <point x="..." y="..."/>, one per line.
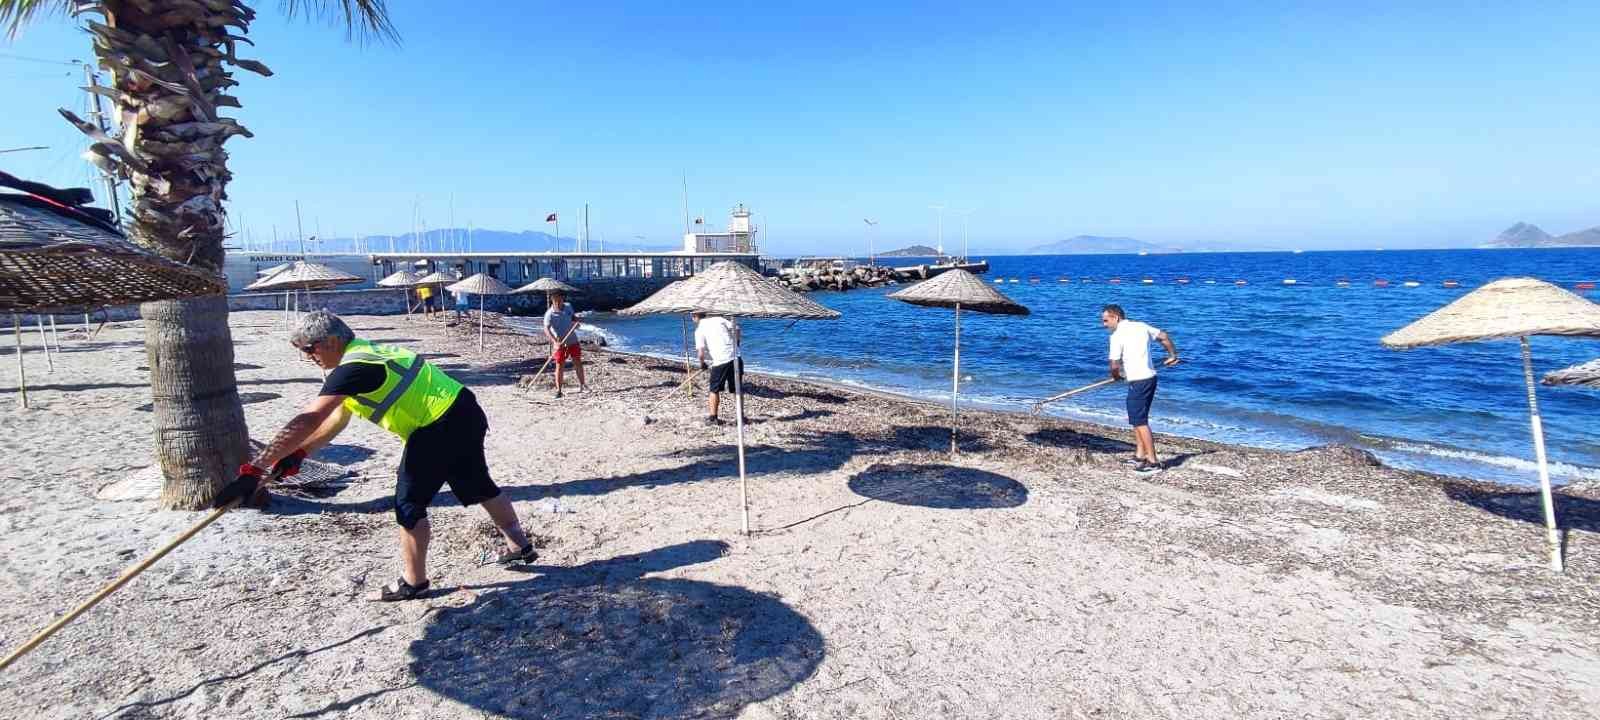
<point x="936" y="485"/>
<point x="602" y="640"/>
<point x="1572" y="512"/>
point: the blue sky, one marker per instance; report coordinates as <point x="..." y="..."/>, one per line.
<point x="1349" y="125"/>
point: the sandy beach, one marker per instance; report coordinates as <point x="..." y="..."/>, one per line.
<point x="1031" y="576"/>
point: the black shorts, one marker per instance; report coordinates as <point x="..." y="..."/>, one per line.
<point x="1140" y="394"/>
<point x="448" y="451"/>
<point x="722" y="375"/>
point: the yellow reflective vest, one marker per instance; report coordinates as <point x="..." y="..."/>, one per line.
<point x="414" y="392"/>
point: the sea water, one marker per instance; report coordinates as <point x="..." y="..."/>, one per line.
<point x="1267" y="364"/>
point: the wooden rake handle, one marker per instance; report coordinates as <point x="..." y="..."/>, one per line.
<point x="127" y="576"/>
<point x="674" y="392"/>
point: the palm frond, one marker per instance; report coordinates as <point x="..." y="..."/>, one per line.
<point x="363" y="20"/>
<point x="16" y="13"/>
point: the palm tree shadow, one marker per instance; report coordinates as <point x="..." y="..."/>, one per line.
<point x="145" y="705"/>
<point x="949" y="487"/>
<point x="601" y="640"/>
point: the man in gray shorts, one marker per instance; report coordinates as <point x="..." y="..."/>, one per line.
<point x="1130" y="359"/>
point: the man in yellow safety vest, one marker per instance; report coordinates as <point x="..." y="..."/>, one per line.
<point x="439" y="420"/>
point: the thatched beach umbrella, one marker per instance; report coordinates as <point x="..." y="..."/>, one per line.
<point x="730" y="289"/>
<point x="1584" y="374"/>
<point x="56" y="255"/>
<point x="403" y="280"/>
<point x="547" y="285"/>
<point x="302" y="275"/>
<point x="960" y="290"/>
<point x="481" y="284"/>
<point x="1504" y="309"/>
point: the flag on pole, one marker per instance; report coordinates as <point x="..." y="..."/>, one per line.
<point x="699" y="221"/>
<point x="551" y="218"/>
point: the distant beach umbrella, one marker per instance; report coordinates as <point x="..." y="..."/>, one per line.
<point x="56" y="255"/>
<point x="481" y="285"/>
<point x="1584" y="374"/>
<point x="959" y="289"/>
<point x="403" y="280"/>
<point x="302" y="276"/>
<point x="1505" y="309"/>
<point x="730" y="289"/>
<point x="547" y="285"/>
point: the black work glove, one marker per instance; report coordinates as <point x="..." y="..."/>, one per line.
<point x="704" y="365"/>
<point x="242" y="487"/>
<point x="289" y="466"/>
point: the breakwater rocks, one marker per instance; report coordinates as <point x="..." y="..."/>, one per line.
<point x="861" y="276"/>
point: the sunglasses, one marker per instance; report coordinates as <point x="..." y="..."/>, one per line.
<point x="307" y="349"/>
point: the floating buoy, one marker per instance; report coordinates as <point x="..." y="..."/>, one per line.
<point x="1086" y="281"/>
<point x="1063" y="279"/>
<point x="1211" y="282"/>
<point x="1584" y="286"/>
<point x="1013" y="279"/>
<point x="1380" y="282"/>
<point x="1033" y="281"/>
<point x="1451" y="284"/>
<point x="1291" y="281"/>
<point x="1240" y="282"/>
<point x="1148" y="281"/>
<point x="1413" y="283"/>
<point x="1342" y="282"/>
<point x="999" y="281"/>
<point x="1183" y="281"/>
<point x="1115" y="281"/>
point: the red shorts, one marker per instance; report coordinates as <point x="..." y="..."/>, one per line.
<point x="568" y="352"/>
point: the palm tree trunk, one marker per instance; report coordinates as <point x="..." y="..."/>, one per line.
<point x="201" y="437"/>
<point x="169" y="66"/>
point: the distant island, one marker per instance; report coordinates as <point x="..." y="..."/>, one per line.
<point x="913" y="251"/>
<point x="1097" y="245"/>
<point x="1528" y="235"/>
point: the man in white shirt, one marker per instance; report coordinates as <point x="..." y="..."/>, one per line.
<point x="1130" y="360"/>
<point x="717" y="337"/>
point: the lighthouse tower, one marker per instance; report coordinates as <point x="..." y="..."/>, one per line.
<point x="740" y="237"/>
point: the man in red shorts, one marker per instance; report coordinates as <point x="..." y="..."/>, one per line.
<point x="560" y="325"/>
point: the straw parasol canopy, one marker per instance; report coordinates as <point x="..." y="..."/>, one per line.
<point x="547" y="285"/>
<point x="52" y="259"/>
<point x="1504" y="309"/>
<point x="274" y="270"/>
<point x="1584" y="374"/>
<point x="730" y="289"/>
<point x="959" y="287"/>
<point x="481" y="284"/>
<point x="398" y="279"/>
<point x="959" y="290"/>
<point x="437" y="277"/>
<point x="304" y="275"/>
<point x="403" y="280"/>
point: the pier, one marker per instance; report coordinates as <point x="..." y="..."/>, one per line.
<point x="608" y="280"/>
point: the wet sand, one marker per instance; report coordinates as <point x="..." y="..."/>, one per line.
<point x="1031" y="576"/>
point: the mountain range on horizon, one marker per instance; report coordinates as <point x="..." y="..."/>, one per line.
<point x="1526" y="235"/>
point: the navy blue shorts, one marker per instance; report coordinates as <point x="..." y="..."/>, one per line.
<point x="447" y="451"/>
<point x="1140" y="394"/>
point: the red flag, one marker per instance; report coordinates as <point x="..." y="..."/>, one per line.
<point x="552" y="218"/>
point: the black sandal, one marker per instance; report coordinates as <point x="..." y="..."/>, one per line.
<point x="403" y="590"/>
<point x="513" y="557"/>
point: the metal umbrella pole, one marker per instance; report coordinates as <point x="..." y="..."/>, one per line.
<point x="22" y="370"/>
<point x="1552" y="536"/>
<point x="738" y="404"/>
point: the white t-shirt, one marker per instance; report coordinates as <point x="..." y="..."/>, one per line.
<point x="714" y="335"/>
<point x="1130" y="343"/>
